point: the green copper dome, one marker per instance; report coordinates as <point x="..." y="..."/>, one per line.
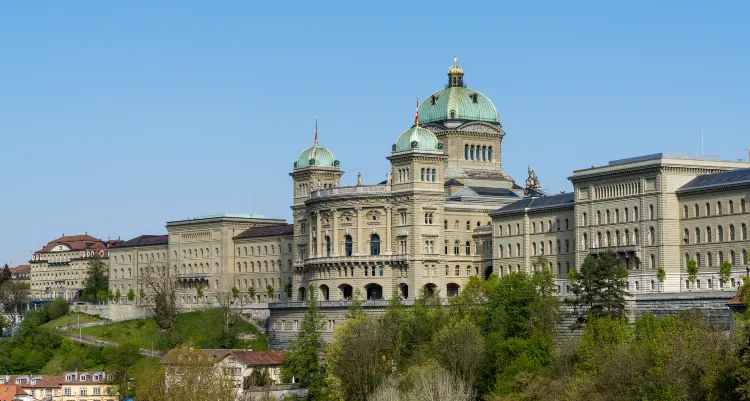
<point x="457" y="102"/>
<point x="416" y="138"/>
<point x="316" y="156"/>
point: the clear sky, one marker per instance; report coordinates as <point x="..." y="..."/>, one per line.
<point x="116" y="117"/>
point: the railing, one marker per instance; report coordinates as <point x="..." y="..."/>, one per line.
<point x="615" y="249"/>
<point x="340" y="303"/>
<point x="361" y="189"/>
<point x="191" y="275"/>
<point x="356" y="259"/>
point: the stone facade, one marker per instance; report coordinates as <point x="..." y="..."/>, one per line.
<point x="60" y="268"/>
<point x="654" y="211"/>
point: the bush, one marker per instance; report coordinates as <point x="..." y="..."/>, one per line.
<point x="56" y="309"/>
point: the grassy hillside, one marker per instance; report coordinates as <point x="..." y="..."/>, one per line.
<point x="71" y="319"/>
<point x="201" y="328"/>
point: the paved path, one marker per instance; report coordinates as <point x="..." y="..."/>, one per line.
<point x="94" y="341"/>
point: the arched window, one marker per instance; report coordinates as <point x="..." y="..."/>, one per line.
<point x="468" y="248"/>
<point x="471" y="152"/>
<point x="617" y="215"/>
<point x="455" y="247"/>
<point x="445" y="226"/>
<point x="559" y="247"/>
<point x="697" y="235"/>
<point x="651" y="212"/>
<point x="686" y="237"/>
<point x="584" y="220"/>
<point x="719" y="208"/>
<point x="567" y="224"/>
<point x="653" y="261"/>
<point x="698" y="260"/>
<point x="732" y="257"/>
<point x="567" y="246"/>
<point x="533" y="248"/>
<point x="721" y="257"/>
<point x="637" y="237"/>
<point x="608" y="218"/>
<point x="468" y="226"/>
<point x="421" y="176"/>
<point x="456" y="225"/>
<point x="598" y="217"/>
<point x="489" y="153"/>
<point x="484" y="153"/>
<point x="433" y="175"/>
<point x="685" y="211"/>
<point x="709" y="235"/>
<point x="720" y="232"/>
<point x="708" y="209"/>
<point x="635" y="214"/>
<point x="328" y="246"/>
<point x="731" y="206"/>
<point x="518" y="249"/>
<point x="731" y="232"/>
<point x="697" y="210"/>
<point x="466" y="152"/>
<point x="744" y="231"/>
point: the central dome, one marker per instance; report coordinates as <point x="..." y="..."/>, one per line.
<point x="317" y="156"/>
<point x="457" y="102"/>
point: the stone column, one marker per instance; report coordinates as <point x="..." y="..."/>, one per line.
<point x="310" y="250"/>
<point x="359" y="231"/>
<point x="319" y="248"/>
<point x="335" y="235"/>
<point x="388" y="230"/>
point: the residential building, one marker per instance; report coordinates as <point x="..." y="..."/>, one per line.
<point x="88" y="386"/>
<point x="21" y="272"/>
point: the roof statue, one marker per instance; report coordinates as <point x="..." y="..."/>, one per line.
<point x="533" y="181"/>
<point x="388" y="177"/>
<point x="359" y="179"/>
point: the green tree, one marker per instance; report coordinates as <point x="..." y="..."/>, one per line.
<point x="14" y="296"/>
<point x="600" y="287"/>
<point x="131" y="295"/>
<point x="251" y="293"/>
<point x="288" y="290"/>
<point x="303" y="359"/>
<point x="270" y="291"/>
<point x="725" y="271"/>
<point x="162" y="291"/>
<point x="5" y="275"/>
<point x="142" y="295"/>
<point x="692" y="270"/>
<point x="120" y="363"/>
<point x="355" y="311"/>
<point x="101" y="296"/>
<point x="661" y="275"/>
<point x="96" y="280"/>
<point x="56" y="309"/>
<point x="235" y="292"/>
<point x="118" y="295"/>
<point x="199" y="291"/>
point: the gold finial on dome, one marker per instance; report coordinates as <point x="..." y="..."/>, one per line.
<point x="455" y="74"/>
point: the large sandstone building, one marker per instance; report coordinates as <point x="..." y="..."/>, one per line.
<point x="448" y="211"/>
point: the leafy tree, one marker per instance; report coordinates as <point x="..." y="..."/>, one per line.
<point x="600" y="287"/>
<point x="230" y="320"/>
<point x="235" y="292"/>
<point x="118" y="295"/>
<point x="288" y="290"/>
<point x="162" y="291"/>
<point x="260" y="377"/>
<point x="131" y="295"/>
<point x="459" y="348"/>
<point x="725" y="271"/>
<point x="5" y="275"/>
<point x="121" y="362"/>
<point x="692" y="270"/>
<point x="303" y="359"/>
<point x="14" y="295"/>
<point x="251" y="293"/>
<point x="270" y="291"/>
<point x="96" y="281"/>
<point x="355" y="311"/>
<point x="56" y="309"/>
<point x="199" y="292"/>
<point x="142" y="294"/>
<point x="3" y="324"/>
<point x="661" y="275"/>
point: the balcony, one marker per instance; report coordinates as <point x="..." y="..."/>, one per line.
<point x="615" y="249"/>
<point x="358" y="190"/>
<point x="364" y="259"/>
<point x="192" y="276"/>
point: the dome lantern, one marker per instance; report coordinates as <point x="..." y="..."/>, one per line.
<point x="316" y="156"/>
<point x="455" y="75"/>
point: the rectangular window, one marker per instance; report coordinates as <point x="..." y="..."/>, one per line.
<point x="97" y="391"/>
<point x="67" y="391"/>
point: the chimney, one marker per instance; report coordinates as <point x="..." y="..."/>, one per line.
<point x="250" y="348"/>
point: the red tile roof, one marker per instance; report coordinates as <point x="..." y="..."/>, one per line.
<point x="738" y="299"/>
<point x="42" y="381"/>
<point x="252" y="358"/>
<point x="20" y="269"/>
<point x="9" y="391"/>
<point x="284" y="229"/>
<point x="76" y="243"/>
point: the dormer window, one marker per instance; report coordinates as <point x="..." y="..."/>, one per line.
<point x="434" y="99"/>
<point x="453" y="114"/>
<point x="473" y="97"/>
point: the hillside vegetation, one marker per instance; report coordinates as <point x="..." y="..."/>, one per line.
<point x="200" y="328"/>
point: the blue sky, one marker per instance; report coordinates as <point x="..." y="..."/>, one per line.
<point x="116" y="117"/>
